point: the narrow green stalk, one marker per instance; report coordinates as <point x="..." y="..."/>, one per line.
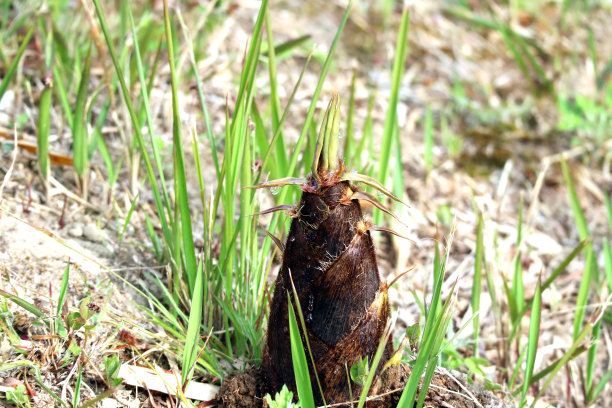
<point x="44" y="125"/>
<point x="79" y="129"/>
<point x="8" y="76"/>
<point x="477" y="283"/>
<point x="532" y="345"/>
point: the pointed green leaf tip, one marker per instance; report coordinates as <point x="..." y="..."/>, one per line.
<point x="326" y="150"/>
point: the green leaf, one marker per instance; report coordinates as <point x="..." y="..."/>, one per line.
<point x="111" y="369"/>
<point x="300" y="366"/>
<point x="360" y="370"/>
<point x="282" y="399"/>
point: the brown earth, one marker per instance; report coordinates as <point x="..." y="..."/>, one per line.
<point x="447" y="389"/>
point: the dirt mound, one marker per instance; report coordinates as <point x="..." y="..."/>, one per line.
<point x="247" y="390"/>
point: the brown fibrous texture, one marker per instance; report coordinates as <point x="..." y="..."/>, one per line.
<point x="331" y="259"/>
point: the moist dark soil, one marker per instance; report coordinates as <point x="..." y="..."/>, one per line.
<point x="448" y="389"/>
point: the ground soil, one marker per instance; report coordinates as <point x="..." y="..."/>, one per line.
<point x="246" y="389"/>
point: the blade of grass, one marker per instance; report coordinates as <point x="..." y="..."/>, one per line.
<point x="584" y="333"/>
<point x="303" y="323"/>
<point x="565" y="263"/>
<point x="284" y="116"/>
<point x="279" y="146"/>
<point x="607" y="248"/>
<point x="350" y="122"/>
<point x="589" y="273"/>
<point x="179" y="166"/>
<point x="433" y="324"/>
<point x="193" y="327"/>
<point x="196" y="75"/>
<point x="77" y="387"/>
<point x="145" y="90"/>
<point x="298" y="356"/>
<point x="8" y="75"/>
<point x="367" y="133"/>
<point x="401" y="51"/>
<point x="438" y="337"/>
<point x="128" y="217"/>
<point x="382" y="343"/>
<point x="477" y="283"/>
<point x="59" y="326"/>
<point x="600" y="387"/>
<point x="518" y="289"/>
<point x="532" y="345"/>
<point x="25" y="304"/>
<point x="44" y="125"/>
<point x="79" y="129"/>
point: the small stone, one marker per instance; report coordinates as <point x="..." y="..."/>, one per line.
<point x="92" y="233"/>
<point x="109" y="403"/>
<point x="76" y="230"/>
<point x="8" y="101"/>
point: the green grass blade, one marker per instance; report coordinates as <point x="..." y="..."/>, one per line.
<point x="62" y="95"/>
<point x="317" y="92"/>
<point x="579" y="218"/>
<point x="44" y="125"/>
<point x="8" y="76"/>
<point x="128" y="217"/>
<point x="590" y="271"/>
<point x="303" y="324"/>
<point x="280" y="152"/>
<point x="350" y="123"/>
<point x="298" y="356"/>
<point x="126" y="96"/>
<point x="592" y="357"/>
<point x="518" y="289"/>
<point x="367" y="133"/>
<point x="584" y="333"/>
<point x="77" y="387"/>
<point x="25" y="304"/>
<point x="196" y="75"/>
<point x="433" y="324"/>
<point x="584" y="289"/>
<point x="396" y="79"/>
<point x="382" y="343"/>
<point x="600" y="387"/>
<point x="518" y="366"/>
<point x="282" y="120"/>
<point x="79" y="128"/>
<point x="179" y="166"/>
<point x="62" y="298"/>
<point x="477" y="283"/>
<point x="565" y="263"/>
<point x="193" y="327"/>
<point x="607" y="248"/>
<point x="532" y="345"/>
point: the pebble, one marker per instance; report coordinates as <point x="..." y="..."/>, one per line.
<point x="109" y="403"/>
<point x="92" y="233"/>
<point x="76" y="230"/>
